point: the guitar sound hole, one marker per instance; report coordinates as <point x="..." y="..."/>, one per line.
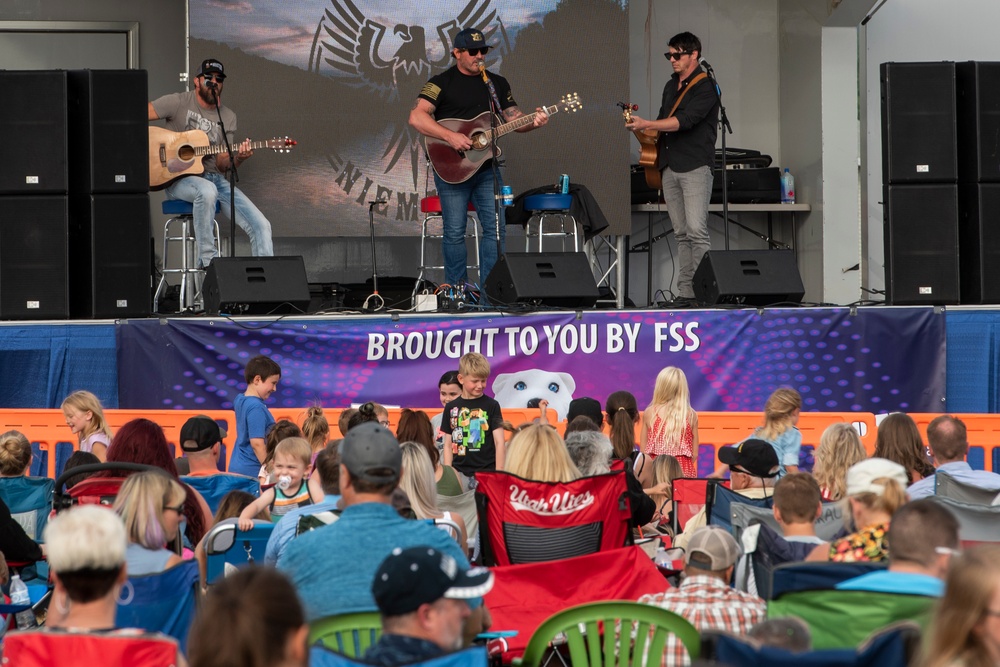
<point x="185" y="152"/>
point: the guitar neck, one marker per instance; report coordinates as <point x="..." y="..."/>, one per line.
<point x="216" y="149"/>
<point x="524" y="121"/>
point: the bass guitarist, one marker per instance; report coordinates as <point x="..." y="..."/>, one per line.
<point x="462" y="92"/>
<point x="688" y="125"/>
<point x="196" y="110"/>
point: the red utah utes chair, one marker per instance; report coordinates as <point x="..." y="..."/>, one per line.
<point x="524" y="521"/>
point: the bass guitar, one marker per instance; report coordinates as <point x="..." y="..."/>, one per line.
<point x="647" y="145"/>
<point x="176" y="154"/>
<point x="459" y="166"/>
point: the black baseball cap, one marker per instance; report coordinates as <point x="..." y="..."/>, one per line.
<point x="756" y="457"/>
<point x="371" y="453"/>
<point x="586" y="406"/>
<point x="201" y="430"/>
<point x="211" y="66"/>
<point x="470" y="38"/>
<point x="411" y="577"/>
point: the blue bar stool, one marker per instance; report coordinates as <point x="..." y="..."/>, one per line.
<point x="431" y="208"/>
<point x="551" y="206"/>
<point x="179" y="230"/>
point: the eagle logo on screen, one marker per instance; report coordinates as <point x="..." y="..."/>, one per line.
<point x="391" y="63"/>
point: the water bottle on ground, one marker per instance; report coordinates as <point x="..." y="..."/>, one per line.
<point x="19" y="595"/>
<point x="787" y="187"/>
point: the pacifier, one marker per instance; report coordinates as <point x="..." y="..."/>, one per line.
<point x="284" y="481"/>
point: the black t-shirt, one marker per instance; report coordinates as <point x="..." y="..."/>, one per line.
<point x="471" y="423"/>
<point x="457" y="95"/>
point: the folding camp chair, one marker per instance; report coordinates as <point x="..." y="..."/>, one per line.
<point x="720" y="500"/>
<point x="228" y="547"/>
<point x="30" y="502"/>
<point x="214" y="487"/>
<point x="465" y="505"/>
<point x="97" y="490"/>
<point x="947" y="486"/>
<point x="162" y="602"/>
<point x="524" y="521"/>
<point x="474" y="656"/>
<point x="36" y="648"/>
<point x="690" y="496"/>
<point x="347" y="634"/>
<point x="976" y="523"/>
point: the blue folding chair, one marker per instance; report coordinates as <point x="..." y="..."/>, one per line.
<point x="718" y="509"/>
<point x="474" y="656"/>
<point x="30" y="502"/>
<point x="214" y="487"/>
<point x="228" y="547"/>
<point x="162" y="602"/>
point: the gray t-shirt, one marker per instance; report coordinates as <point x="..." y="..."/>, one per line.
<point x="182" y="112"/>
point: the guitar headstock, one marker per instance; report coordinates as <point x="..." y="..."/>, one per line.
<point x="281" y="144"/>
<point x="627" y="110"/>
<point x="570" y="103"/>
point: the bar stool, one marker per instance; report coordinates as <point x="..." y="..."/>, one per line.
<point x="182" y="216"/>
<point x="542" y="206"/>
<point x="431" y="208"/>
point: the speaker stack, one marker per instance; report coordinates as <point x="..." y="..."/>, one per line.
<point x="920" y="183"/>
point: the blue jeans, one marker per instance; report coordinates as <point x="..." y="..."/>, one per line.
<point x="455" y="200"/>
<point x="203" y="191"/>
<point x="687" y="195"/>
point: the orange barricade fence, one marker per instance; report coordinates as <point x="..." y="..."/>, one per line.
<point x="982" y="430"/>
<point x="54" y="442"/>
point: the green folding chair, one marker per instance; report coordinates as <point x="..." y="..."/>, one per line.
<point x="611" y="633"/>
<point x="349" y="634"/>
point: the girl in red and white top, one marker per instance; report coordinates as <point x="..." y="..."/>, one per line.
<point x="669" y="423"/>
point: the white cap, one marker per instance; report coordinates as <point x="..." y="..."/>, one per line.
<point x="862" y="475"/>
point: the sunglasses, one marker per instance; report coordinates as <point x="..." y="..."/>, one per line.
<point x="215" y="77"/>
<point x="475" y="52"/>
<point x="676" y="55"/>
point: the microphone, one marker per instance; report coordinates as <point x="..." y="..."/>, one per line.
<point x="211" y="85"/>
<point x="482" y="71"/>
<point x="704" y="63"/>
<point x="379" y="202"/>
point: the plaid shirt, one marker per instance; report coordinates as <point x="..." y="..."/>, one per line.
<point x="707" y="603"/>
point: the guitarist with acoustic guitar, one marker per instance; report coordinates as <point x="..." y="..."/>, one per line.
<point x="688" y="125"/>
<point x="463" y="93"/>
<point x="196" y="110"/>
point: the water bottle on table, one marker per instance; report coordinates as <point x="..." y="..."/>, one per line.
<point x="787" y="187"/>
<point x="18" y="596"/>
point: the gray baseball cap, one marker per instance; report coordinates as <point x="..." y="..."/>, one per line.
<point x="371" y="453"/>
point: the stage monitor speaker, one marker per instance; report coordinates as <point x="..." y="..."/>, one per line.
<point x="559" y="279"/>
<point x="256" y="286"/>
<point x="920" y="228"/>
<point x="919" y="133"/>
<point x="33" y="258"/>
<point x="108" y="131"/>
<point x="33" y="117"/>
<point x="979" y="242"/>
<point x="748" y="278"/>
<point x="111" y="264"/>
<point x="978" y="95"/>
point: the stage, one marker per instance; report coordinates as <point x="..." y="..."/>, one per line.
<point x="874" y="359"/>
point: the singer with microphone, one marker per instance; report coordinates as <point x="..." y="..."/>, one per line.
<point x="688" y="126"/>
<point x="465" y="91"/>
<point x="202" y="109"/>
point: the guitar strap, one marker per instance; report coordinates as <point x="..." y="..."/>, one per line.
<point x="680" y="97"/>
<point x="493" y="94"/>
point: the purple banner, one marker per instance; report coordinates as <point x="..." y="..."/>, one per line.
<point x="874" y="360"/>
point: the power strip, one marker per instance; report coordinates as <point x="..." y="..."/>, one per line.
<point x="426" y="303"/>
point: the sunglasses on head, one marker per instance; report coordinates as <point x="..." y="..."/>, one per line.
<point x="676" y="55"/>
<point x="475" y="52"/>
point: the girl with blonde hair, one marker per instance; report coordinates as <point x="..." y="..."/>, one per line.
<point x="781" y="414"/>
<point x="839" y="448"/>
<point x="85" y="418"/>
<point x="15" y="454"/>
<point x="417" y="480"/>
<point x="316" y="429"/>
<point x="538" y="453"/>
<point x="151" y="505"/>
<point x="965" y="630"/>
<point x="665" y="470"/>
<point x="669" y="424"/>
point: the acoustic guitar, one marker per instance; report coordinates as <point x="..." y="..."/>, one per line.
<point x="647" y="145"/>
<point x="176" y="154"/>
<point x="459" y="166"/>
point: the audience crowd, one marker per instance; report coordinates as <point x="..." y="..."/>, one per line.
<point x="377" y="521"/>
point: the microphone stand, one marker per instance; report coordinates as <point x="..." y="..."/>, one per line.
<point x="495" y="166"/>
<point x="377" y="302"/>
<point x="234" y="177"/>
<point x="725" y="126"/>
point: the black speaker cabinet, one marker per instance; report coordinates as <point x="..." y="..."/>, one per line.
<point x="748" y="278"/>
<point x="108" y="131"/>
<point x="33" y="258"/>
<point x="111" y="265"/>
<point x="919" y="133"/>
<point x="978" y="99"/>
<point x="921" y="244"/>
<point x="979" y="242"/>
<point x="256" y="286"/>
<point x="33" y="120"/>
<point x="560" y="279"/>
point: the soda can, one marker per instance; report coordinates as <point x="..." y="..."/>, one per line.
<point x="506" y="196"/>
<point x="564" y="184"/>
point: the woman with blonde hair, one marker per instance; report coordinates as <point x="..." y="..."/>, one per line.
<point x="839" y="448"/>
<point x="151" y="505"/>
<point x="15" y="454"/>
<point x="538" y="453"/>
<point x="965" y="630"/>
<point x="669" y="424"/>
<point x="899" y="440"/>
<point x="417" y="480"/>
